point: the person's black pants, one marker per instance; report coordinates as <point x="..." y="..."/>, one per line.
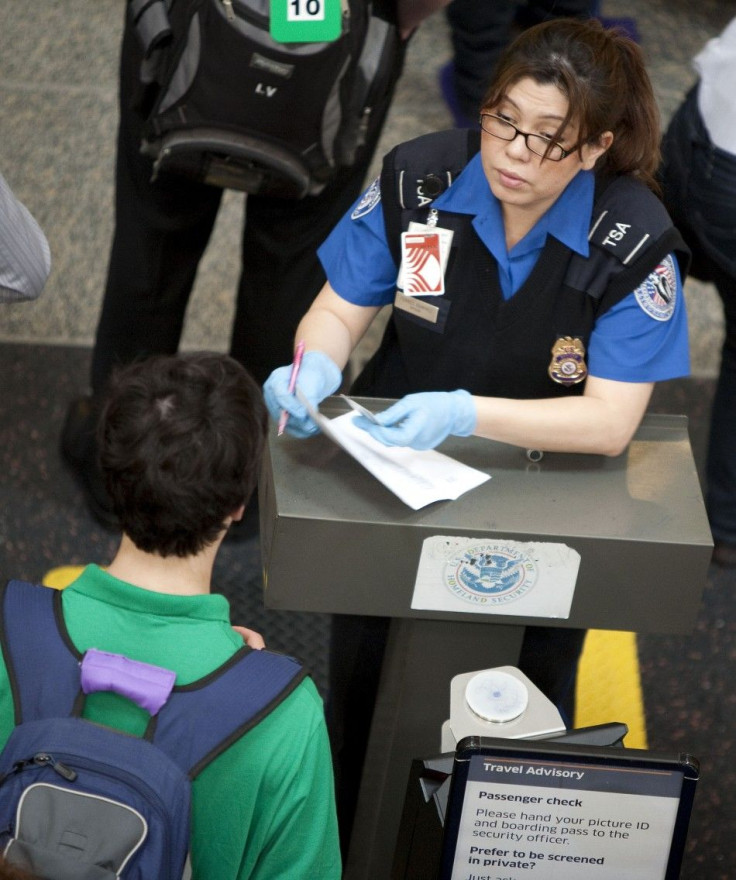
<point x="699" y="184"/>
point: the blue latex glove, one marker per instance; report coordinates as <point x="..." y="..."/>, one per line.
<point x="319" y="376"/>
<point x="423" y="420"/>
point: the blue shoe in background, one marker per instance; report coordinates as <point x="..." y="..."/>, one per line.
<point x="449" y="95"/>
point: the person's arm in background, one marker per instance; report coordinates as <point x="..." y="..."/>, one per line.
<point x="412" y="12"/>
<point x="25" y="260"/>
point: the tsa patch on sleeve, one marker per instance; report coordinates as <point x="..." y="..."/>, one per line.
<point x="657" y="294"/>
<point x="370" y="198"/>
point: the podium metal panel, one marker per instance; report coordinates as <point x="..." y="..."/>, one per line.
<point x="334" y="539"/>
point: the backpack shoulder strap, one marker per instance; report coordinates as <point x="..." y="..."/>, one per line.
<point x="30" y="651"/>
<point x="199" y="721"/>
<point x="202" y="719"/>
<point x="416" y="172"/>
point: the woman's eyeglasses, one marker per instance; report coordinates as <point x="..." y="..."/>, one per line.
<point x="536" y="143"/>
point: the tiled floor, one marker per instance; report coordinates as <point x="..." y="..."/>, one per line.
<point x="57" y="103"/>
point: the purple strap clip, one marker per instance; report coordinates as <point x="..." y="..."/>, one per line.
<point x="147" y="685"/>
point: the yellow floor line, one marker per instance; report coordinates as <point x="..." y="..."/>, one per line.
<point x="609" y="684"/>
<point x="61" y="577"/>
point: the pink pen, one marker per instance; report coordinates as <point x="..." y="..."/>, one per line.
<point x="296" y="363"/>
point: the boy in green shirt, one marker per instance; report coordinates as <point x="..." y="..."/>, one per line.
<point x="180" y="445"/>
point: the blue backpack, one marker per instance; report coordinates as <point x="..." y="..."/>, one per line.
<point x="80" y="801"/>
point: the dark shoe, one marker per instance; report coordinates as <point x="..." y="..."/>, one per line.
<point x="724" y="555"/>
<point x="78" y="449"/>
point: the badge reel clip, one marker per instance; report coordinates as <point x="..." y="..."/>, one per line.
<point x="498" y="702"/>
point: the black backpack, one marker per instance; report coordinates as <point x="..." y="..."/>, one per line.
<point x="238" y="110"/>
<point x="79" y="801"/>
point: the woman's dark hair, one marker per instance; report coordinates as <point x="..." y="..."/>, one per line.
<point x="602" y="74"/>
<point x="180" y="441"/>
<point x="10" y="872"/>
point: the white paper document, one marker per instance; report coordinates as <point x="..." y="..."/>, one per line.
<point x="417" y="477"/>
<point x="496" y="576"/>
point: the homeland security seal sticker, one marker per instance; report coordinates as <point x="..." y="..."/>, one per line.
<point x="657" y="294"/>
<point x="490" y="574"/>
<point x="495" y="575"/>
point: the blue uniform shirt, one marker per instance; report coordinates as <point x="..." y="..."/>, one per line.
<point x="640" y="339"/>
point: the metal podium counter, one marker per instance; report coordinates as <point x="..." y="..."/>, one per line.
<point x="336" y="540"/>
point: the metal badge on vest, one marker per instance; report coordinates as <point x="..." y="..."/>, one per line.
<point x="568" y="366"/>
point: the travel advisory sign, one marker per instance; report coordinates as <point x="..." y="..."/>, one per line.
<point x="556" y="820"/>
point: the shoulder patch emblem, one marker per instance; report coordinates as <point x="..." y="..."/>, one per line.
<point x="370" y="198"/>
<point x="657" y="294"/>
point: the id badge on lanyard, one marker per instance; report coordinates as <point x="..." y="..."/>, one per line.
<point x="425" y="250"/>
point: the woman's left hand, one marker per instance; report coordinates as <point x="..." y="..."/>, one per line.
<point x="251" y="638"/>
<point x="423" y="420"/>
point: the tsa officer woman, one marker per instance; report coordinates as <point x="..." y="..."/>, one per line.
<point x="558" y="272"/>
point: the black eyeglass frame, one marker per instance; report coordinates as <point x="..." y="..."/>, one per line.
<point x="526" y="135"/>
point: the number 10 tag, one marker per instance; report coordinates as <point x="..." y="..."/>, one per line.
<point x="306" y="21"/>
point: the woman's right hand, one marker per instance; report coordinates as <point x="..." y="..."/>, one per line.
<point x="319" y="376"/>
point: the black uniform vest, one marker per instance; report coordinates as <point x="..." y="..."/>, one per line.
<point x="479" y="341"/>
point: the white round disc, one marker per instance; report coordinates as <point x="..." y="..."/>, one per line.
<point x="496" y="696"/>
